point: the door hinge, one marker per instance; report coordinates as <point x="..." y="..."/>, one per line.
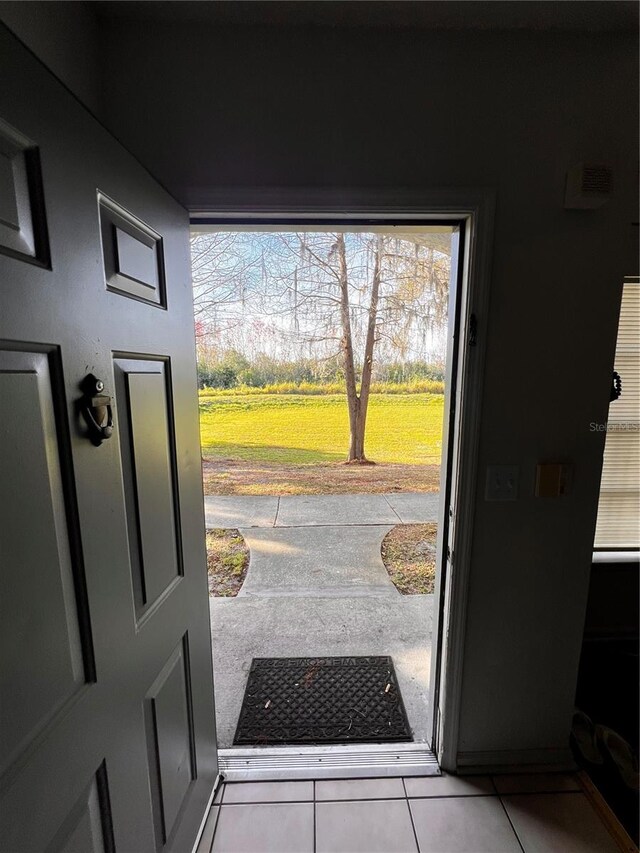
<point x="473" y="330"/>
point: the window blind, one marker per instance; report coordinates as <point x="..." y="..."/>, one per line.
<point x="618" y="525"/>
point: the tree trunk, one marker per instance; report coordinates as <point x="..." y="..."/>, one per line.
<point x="356" y="442"/>
<point x="367" y="367"/>
<point x="356" y="448"/>
<point x="358" y="404"/>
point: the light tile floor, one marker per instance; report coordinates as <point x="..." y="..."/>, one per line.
<point x="546" y="813"/>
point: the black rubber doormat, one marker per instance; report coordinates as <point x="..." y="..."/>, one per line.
<point x="322" y="700"/>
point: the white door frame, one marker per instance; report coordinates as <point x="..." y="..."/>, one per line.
<point x="475" y="207"/>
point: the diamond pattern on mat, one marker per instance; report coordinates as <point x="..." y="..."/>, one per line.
<point x="322" y="700"/>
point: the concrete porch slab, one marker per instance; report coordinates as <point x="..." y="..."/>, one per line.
<point x="415" y="508"/>
<point x="320" y="510"/>
<point x="247" y="627"/>
<point x="317" y="510"/>
<point x="316" y="562"/>
<point x="240" y="510"/>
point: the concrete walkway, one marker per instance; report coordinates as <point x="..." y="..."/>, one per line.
<point x="254" y="627"/>
<point x="319" y="510"/>
<point x="317" y="586"/>
<point x="317" y="562"/>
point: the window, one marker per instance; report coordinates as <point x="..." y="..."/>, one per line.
<point x="618" y="526"/>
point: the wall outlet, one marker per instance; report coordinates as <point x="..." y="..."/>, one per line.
<point x="502" y="483"/>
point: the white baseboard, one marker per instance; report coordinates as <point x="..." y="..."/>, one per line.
<point x="516" y="761"/>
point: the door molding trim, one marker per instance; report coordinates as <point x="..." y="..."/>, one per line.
<point x="474" y="300"/>
<point x="320" y="203"/>
<point x="476" y="208"/>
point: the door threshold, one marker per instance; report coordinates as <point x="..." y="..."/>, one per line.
<point x="341" y="761"/>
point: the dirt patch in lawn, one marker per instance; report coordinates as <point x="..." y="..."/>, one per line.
<point x="409" y="554"/>
<point x="227" y="561"/>
<point x="239" y="477"/>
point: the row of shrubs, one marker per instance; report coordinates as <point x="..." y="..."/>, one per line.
<point x="415" y="386"/>
<point x="232" y="369"/>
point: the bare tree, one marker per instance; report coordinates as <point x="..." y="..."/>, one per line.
<point x="345" y="293"/>
<point x="220" y="270"/>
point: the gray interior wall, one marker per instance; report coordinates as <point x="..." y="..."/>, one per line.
<point x="209" y="109"/>
<point x="612" y="609"/>
<point x="507" y="111"/>
<point x="65" y="37"/>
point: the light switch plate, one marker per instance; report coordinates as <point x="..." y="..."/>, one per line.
<point x="502" y="483"/>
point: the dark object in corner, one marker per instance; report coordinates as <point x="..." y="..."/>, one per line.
<point x="616" y="387"/>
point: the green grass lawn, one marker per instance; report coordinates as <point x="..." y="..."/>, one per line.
<point x="307" y="430"/>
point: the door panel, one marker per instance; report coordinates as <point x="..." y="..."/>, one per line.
<point x="107" y="694"/>
<point x="132" y="254"/>
<point x="88" y="828"/>
<point x="171" y="736"/>
<point x="148" y="466"/>
<point x="43" y="654"/>
<point x="23" y="229"/>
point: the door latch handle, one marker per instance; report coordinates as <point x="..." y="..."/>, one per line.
<point x="96" y="410"/>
